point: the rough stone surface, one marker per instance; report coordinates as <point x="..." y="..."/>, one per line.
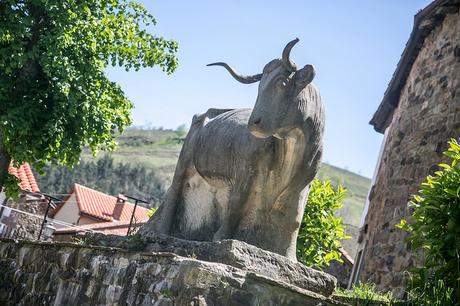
<point x="244" y="174"/>
<point x="428" y="115"/>
<point x="23" y="226"/>
<point x="237" y="254"/>
<point x="68" y="274"/>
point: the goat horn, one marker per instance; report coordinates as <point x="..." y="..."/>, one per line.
<point x="290" y="65"/>
<point x="240" y="78"/>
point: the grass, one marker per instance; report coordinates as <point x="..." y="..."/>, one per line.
<point x="366" y="294"/>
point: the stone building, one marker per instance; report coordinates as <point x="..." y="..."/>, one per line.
<point x="419" y="113"/>
<point x="22" y="217"/>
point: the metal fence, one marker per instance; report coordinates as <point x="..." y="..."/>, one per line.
<point x="9" y="233"/>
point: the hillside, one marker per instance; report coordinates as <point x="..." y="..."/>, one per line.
<point x="144" y="163"/>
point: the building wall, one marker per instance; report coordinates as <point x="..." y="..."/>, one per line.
<point x="86" y="220"/>
<point x="428" y="115"/>
<point x="69" y="213"/>
<point x="2" y="197"/>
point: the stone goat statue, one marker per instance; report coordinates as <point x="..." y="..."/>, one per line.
<point x="244" y="174"/>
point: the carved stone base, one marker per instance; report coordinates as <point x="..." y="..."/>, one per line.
<point x="70" y="274"/>
<point x="237" y="254"/>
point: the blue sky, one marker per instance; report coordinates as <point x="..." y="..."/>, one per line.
<point x="354" y="46"/>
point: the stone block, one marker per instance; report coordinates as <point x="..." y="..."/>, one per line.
<point x="44" y="273"/>
<point x="234" y="253"/>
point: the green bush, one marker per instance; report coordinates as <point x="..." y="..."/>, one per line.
<point x="434" y="228"/>
<point x="320" y="231"/>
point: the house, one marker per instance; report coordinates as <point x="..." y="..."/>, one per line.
<point x="86" y="206"/>
<point x="419" y="113"/>
<point x="21" y="218"/>
<point x="106" y="228"/>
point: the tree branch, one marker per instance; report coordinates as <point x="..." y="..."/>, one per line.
<point x="4" y="162"/>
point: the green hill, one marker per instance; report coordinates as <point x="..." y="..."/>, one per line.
<point x="144" y="163"/>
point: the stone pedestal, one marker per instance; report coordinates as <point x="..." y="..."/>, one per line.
<point x="215" y="273"/>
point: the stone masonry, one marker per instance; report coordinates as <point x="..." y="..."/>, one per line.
<point x="426" y="117"/>
<point x="48" y="273"/>
<point x="25" y="226"/>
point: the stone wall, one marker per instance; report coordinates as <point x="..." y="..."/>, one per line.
<point x="67" y="274"/>
<point x="427" y="116"/>
<point x="24" y="226"/>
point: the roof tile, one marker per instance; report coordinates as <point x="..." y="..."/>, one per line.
<point x="26" y="177"/>
<point x="102" y="206"/>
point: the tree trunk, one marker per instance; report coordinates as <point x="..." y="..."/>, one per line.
<point x="4" y="162"/>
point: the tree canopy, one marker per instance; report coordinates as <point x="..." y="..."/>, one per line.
<point x="54" y="95"/>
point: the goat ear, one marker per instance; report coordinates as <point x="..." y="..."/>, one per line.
<point x="304" y="76"/>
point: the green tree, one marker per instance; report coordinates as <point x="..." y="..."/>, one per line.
<point x="320" y="232"/>
<point x="54" y="95"/>
<point x="104" y="175"/>
<point x="434" y="228"/>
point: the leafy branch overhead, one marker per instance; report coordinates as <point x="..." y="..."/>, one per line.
<point x="54" y="95"/>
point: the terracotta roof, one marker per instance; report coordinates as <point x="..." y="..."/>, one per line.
<point x="102" y="206"/>
<point x="115" y="228"/>
<point x="424" y="22"/>
<point x="26" y="178"/>
<point x="346" y="257"/>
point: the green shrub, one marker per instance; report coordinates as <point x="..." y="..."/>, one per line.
<point x="434" y="228"/>
<point x="320" y="232"/>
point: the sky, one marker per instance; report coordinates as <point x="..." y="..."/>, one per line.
<point x="354" y="46"/>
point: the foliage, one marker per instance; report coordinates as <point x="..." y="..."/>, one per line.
<point x="181" y="133"/>
<point x="434" y="227"/>
<point x="366" y="294"/>
<point x="135" y="243"/>
<point x="12" y="187"/>
<point x="152" y="211"/>
<point x="357" y="188"/>
<point x="320" y="231"/>
<point x="104" y="175"/>
<point x="424" y="290"/>
<point x="54" y="95"/>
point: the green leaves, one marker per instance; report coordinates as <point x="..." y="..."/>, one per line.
<point x="435" y="225"/>
<point x="54" y="95"/>
<point x="320" y="232"/>
<point x="151" y="212"/>
<point x="12" y="187"/>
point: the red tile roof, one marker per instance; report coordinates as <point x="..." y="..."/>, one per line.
<point x="26" y="178"/>
<point x="102" y="206"/>
<point x="347" y="259"/>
